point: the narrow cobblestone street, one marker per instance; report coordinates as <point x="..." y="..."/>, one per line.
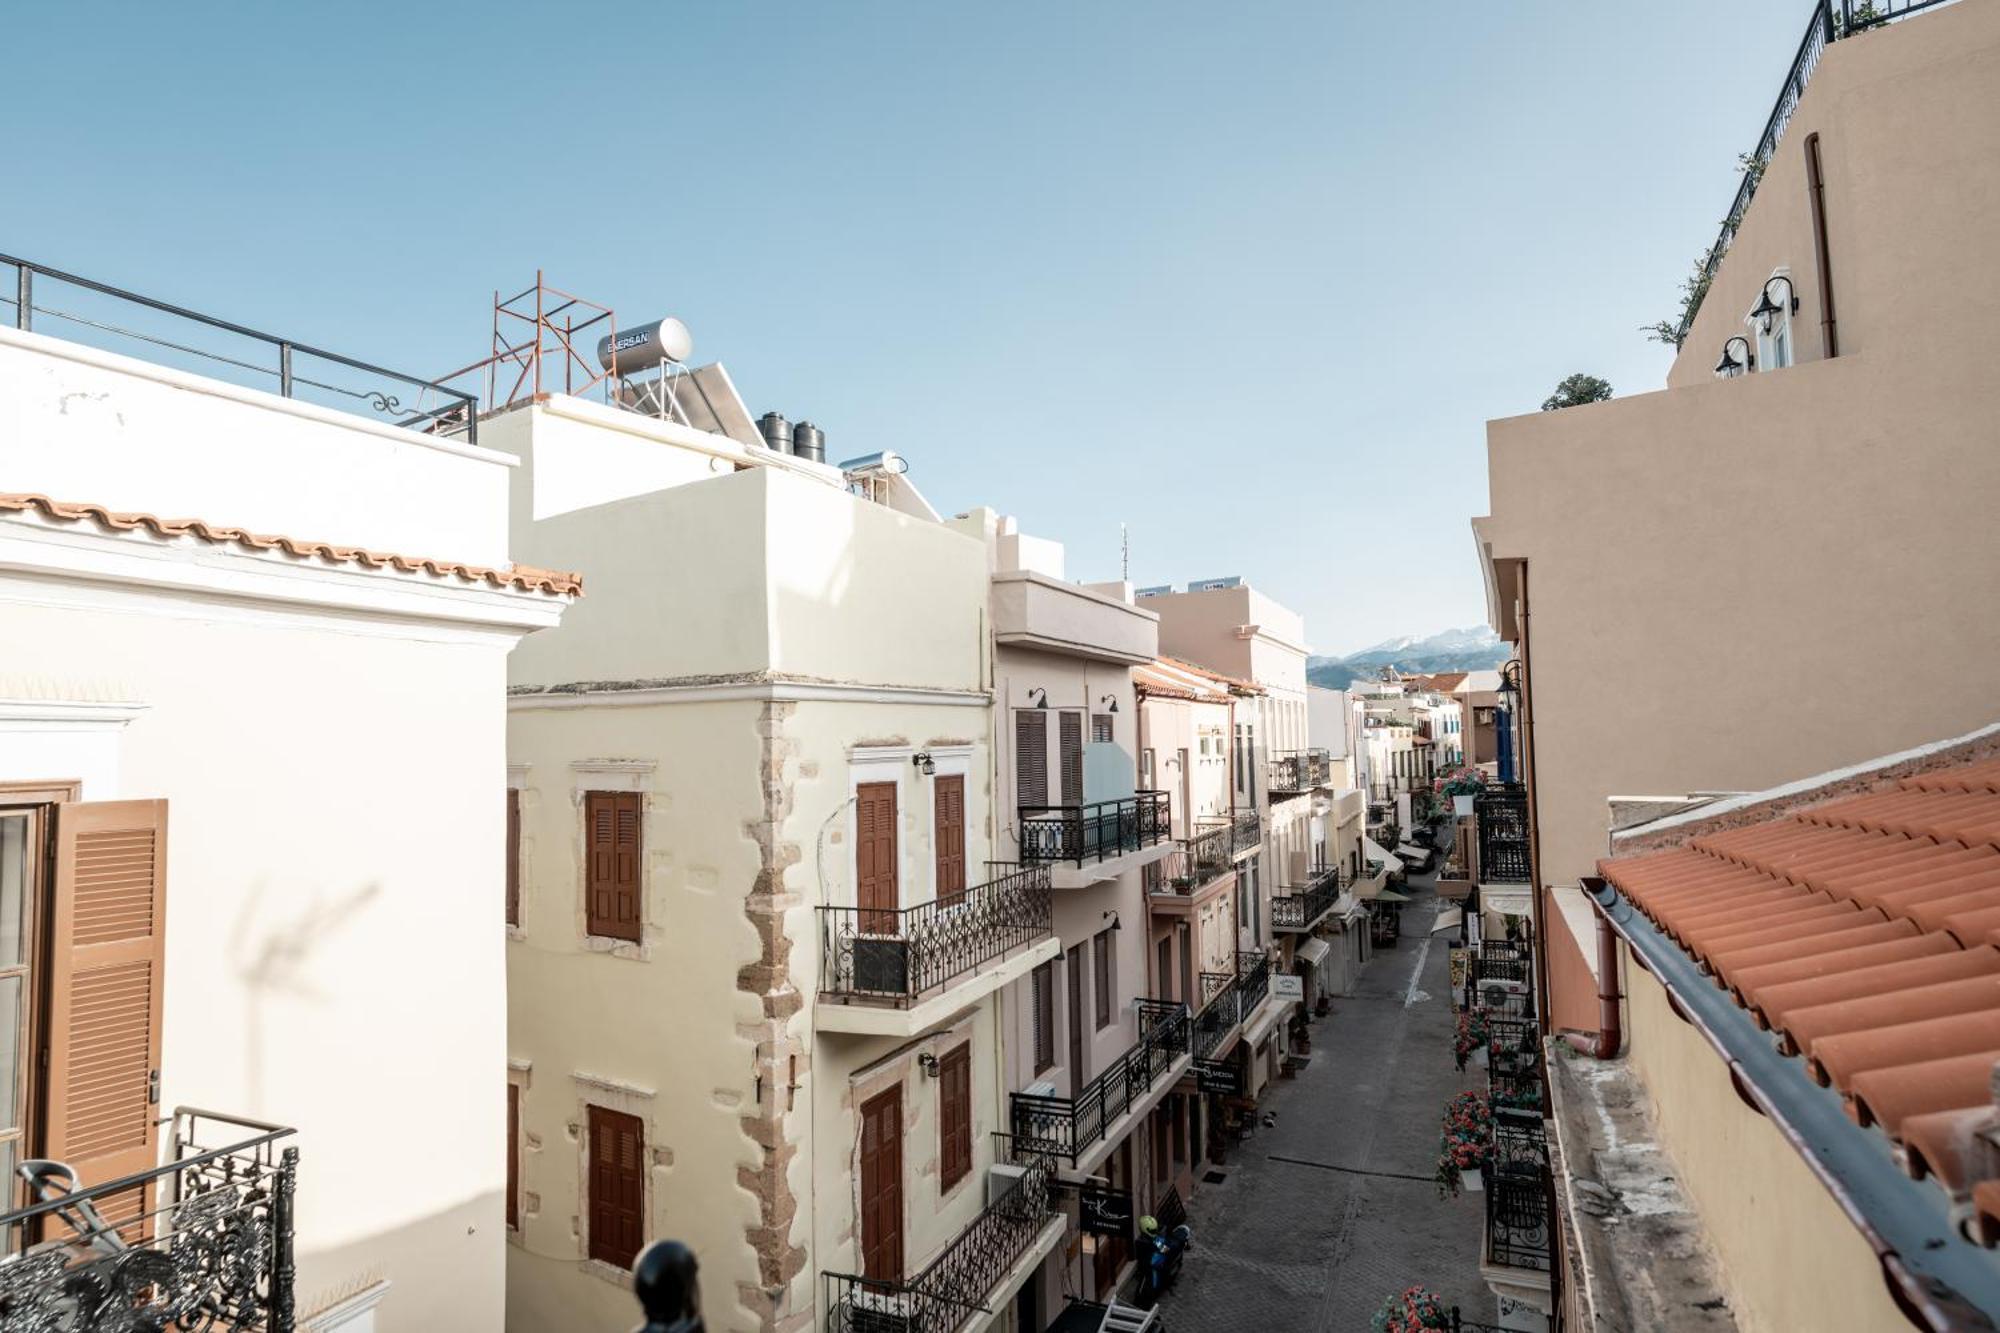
<point x="1334" y="1207"/>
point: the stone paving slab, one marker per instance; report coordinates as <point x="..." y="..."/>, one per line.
<point x="1333" y="1208"/>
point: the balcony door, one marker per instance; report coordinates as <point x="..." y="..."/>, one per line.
<point x="1077" y="1074"/>
<point x="882" y="1187"/>
<point x="877" y="892"/>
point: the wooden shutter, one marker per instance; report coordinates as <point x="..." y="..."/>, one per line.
<point x="1074" y="988"/>
<point x="513" y="857"/>
<point x="617" y="1186"/>
<point x="1102" y="730"/>
<point x="514" y="1156"/>
<point x="1100" y="966"/>
<point x="949" y="830"/>
<point x="882" y="1187"/>
<point x="1044" y="1005"/>
<point x="1070" y="743"/>
<point x="612" y="860"/>
<point x="878" y="890"/>
<point x="106" y="961"/>
<point x="1031" y="757"/>
<point x="955" y="1115"/>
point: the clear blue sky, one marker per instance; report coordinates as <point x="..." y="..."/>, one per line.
<point x="1249" y="278"/>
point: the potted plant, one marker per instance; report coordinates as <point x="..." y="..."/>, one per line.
<point x="1471" y="1036"/>
<point x="1466" y="1144"/>
<point x="1462" y="785"/>
<point x="1412" y="1310"/>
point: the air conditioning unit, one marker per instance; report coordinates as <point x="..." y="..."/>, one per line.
<point x="1000" y="1178"/>
<point x="1502" y="994"/>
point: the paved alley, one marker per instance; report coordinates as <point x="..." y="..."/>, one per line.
<point x="1334" y="1208"/>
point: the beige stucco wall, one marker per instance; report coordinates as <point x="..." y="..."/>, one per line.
<point x="1790" y="1257"/>
<point x="1731" y="568"/>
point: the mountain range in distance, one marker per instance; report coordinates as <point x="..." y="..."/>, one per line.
<point x="1473" y="648"/>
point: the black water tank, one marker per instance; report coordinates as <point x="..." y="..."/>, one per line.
<point x="809" y="441"/>
<point x="777" y="431"/>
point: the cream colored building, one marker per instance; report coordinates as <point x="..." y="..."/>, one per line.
<point x="253" y="691"/>
<point x="755" y="980"/>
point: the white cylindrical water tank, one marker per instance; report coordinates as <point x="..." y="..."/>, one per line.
<point x="643" y="348"/>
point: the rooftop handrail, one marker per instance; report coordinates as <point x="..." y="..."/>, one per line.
<point x="458" y="411"/>
<point x="898" y="954"/>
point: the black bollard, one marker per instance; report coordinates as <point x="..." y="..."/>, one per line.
<point x="663" y="1279"/>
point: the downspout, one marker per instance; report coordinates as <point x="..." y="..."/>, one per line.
<point x="1610" y="1030"/>
<point x="1816" y="184"/>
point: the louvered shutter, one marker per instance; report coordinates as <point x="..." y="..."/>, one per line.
<point x="1031" y="757"/>
<point x="625" y="891"/>
<point x="1070" y="741"/>
<point x="949" y="826"/>
<point x="1043" y="1003"/>
<point x="513" y="857"/>
<point x="514" y="1156"/>
<point x="611" y="864"/>
<point x="877" y="887"/>
<point x="106" y="963"/>
<point x="955" y="1115"/>
<point x="617" y="1186"/>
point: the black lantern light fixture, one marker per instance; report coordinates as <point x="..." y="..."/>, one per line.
<point x="1732" y="365"/>
<point x="1040" y="696"/>
<point x="922" y="759"/>
<point x="928" y="1062"/>
<point x="1767" y="310"/>
<point x="1111" y="702"/>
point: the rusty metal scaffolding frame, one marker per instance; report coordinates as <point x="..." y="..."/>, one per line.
<point x="539" y="325"/>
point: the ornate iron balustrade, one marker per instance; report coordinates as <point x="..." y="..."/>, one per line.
<point x="1514" y="1064"/>
<point x="201" y="1243"/>
<point x="1067" y="1126"/>
<point x="1246" y="828"/>
<point x="897" y="955"/>
<point x="1228" y="999"/>
<point x="294" y="369"/>
<point x="1503" y="835"/>
<point x="1301" y="908"/>
<point x="1300" y="770"/>
<point x="953" y="1287"/>
<point x="1518" y="1187"/>
<point x="1094" y="832"/>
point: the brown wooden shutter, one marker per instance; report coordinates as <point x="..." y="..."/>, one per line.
<point x="882" y="1187"/>
<point x="513" y="857"/>
<point x="514" y="1156"/>
<point x="1100" y="966"/>
<point x="949" y="825"/>
<point x="106" y="971"/>
<point x="955" y="1115"/>
<point x="1031" y="757"/>
<point x="1044" y="1005"/>
<point x="878" y="890"/>
<point x="612" y="860"/>
<point x="1069" y="741"/>
<point x="617" y="1186"/>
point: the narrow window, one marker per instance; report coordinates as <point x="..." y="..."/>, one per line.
<point x="611" y="873"/>
<point x="617" y="1187"/>
<point x="1163" y="980"/>
<point x="1100" y="729"/>
<point x="1031" y="758"/>
<point x="948" y="832"/>
<point x="955" y="1116"/>
<point x="1100" y="965"/>
<point x="513" y="1157"/>
<point x="1043" y="999"/>
<point x="513" y="857"/>
<point x="1071" y="757"/>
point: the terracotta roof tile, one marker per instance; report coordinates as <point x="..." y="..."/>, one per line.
<point x="1863" y="931"/>
<point x="524" y="577"/>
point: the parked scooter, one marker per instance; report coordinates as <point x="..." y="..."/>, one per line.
<point x="1162" y="1252"/>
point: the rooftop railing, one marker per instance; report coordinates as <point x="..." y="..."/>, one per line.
<point x="1097" y="831"/>
<point x="955" y="1287"/>
<point x="201" y="1243"/>
<point x="897" y="956"/>
<point x="1300" y="907"/>
<point x="94" y="313"/>
<point x="1069" y="1126"/>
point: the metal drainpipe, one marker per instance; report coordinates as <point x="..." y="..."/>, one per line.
<point x="1610" y="1030"/>
<point x="1816" y="182"/>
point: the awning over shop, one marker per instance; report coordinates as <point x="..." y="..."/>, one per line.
<point x="1448" y="918"/>
<point x="1454" y="890"/>
<point x="1391" y="896"/>
<point x="1410" y="852"/>
<point x="1375" y="851"/>
<point x="1312" y="951"/>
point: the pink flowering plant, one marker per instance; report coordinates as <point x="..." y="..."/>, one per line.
<point x="1412" y="1310"/>
<point x="1472" y="1033"/>
<point x="1467" y="1141"/>
<point x="1460" y="782"/>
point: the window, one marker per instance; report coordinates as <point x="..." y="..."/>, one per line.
<point x="611" y="865"/>
<point x="1031" y="757"/>
<point x="513" y="1157"/>
<point x="1100" y="964"/>
<point x="948" y="831"/>
<point x="1070" y="756"/>
<point x="513" y="857"/>
<point x="1101" y="729"/>
<point x="616" y="1187"/>
<point x="877" y="887"/>
<point x="1043" y="1002"/>
<point x="955" y="1116"/>
<point x="1163" y="980"/>
<point x="1146" y="761"/>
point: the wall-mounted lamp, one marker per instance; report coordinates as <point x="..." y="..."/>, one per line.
<point x="1767" y="310"/>
<point x="928" y="1063"/>
<point x="922" y="759"/>
<point x="1111" y="700"/>
<point x="1112" y="917"/>
<point x="1040" y="696"/>
<point x="1732" y="365"/>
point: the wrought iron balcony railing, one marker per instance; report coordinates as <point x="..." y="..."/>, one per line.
<point x="1514" y="1064"/>
<point x="1095" y="832"/>
<point x="1229" y="999"/>
<point x="1198" y="862"/>
<point x="896" y="956"/>
<point x="1300" y="770"/>
<point x="1518" y="1190"/>
<point x="1502" y="814"/>
<point x="1300" y="907"/>
<point x="201" y="1243"/>
<point x="1068" y="1126"/>
<point x="1246" y="830"/>
<point x="955" y="1287"/>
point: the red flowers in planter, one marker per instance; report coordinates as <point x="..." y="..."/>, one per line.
<point x="1412" y="1310"/>
<point x="1467" y="1141"/>
<point x="1472" y="1033"/>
